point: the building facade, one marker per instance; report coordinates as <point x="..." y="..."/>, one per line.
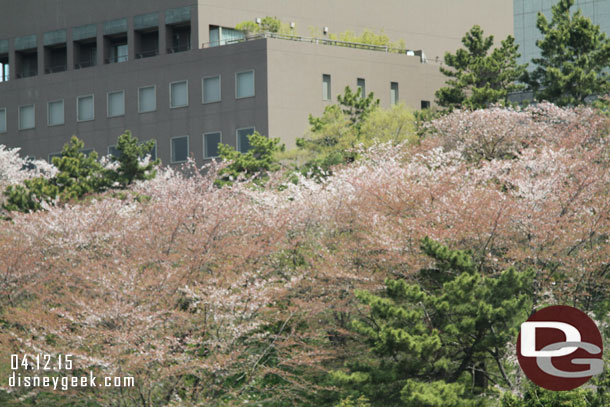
<point x="526" y="13"/>
<point x="177" y="71"/>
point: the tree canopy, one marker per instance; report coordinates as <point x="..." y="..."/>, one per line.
<point x="478" y="78"/>
<point x="575" y="55"/>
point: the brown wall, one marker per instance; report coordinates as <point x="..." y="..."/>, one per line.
<point x="164" y="123"/>
<point x="295" y="81"/>
<point x="435" y="26"/>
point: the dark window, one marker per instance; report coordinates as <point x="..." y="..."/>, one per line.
<point x="85" y="54"/>
<point x="425" y="104"/>
<point x="243" y="142"/>
<point x="180" y="149"/>
<point x="211" y="141"/>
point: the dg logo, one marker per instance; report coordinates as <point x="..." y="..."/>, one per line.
<point x="560" y="348"/>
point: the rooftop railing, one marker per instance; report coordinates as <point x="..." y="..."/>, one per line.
<point x="323" y="41"/>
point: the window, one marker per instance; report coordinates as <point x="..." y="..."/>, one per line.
<point x="325" y="87"/>
<point x="114" y="151"/>
<point x="53" y="155"/>
<point x="361" y="87"/>
<point x="3" y="120"/>
<point x="179" y="95"/>
<point x="393" y="93"/>
<point x="211" y="89"/>
<point x="55" y="113"/>
<point x="153" y="151"/>
<point x="244" y="84"/>
<point x="210" y="144"/>
<point x="118" y="53"/>
<point x="116" y="103"/>
<point x="27" y="117"/>
<point x="180" y="149"/>
<point x="147" y="99"/>
<point x="224" y="35"/>
<point x="425" y="104"/>
<point x="84" y="108"/>
<point x="243" y="143"/>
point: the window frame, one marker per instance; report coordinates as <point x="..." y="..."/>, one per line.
<point x="187" y="94"/>
<point x="171" y="149"/>
<point x="139" y="99"/>
<point x="219" y="76"/>
<point x="397" y="100"/>
<point x="49" y="113"/>
<point x="51" y="155"/>
<point x="108" y="103"/>
<point x="363" y="87"/>
<point x="237" y="146"/>
<point x="78" y="98"/>
<point x="205" y="156"/>
<point x="156" y="150"/>
<point x="330" y="94"/>
<point x="5" y="120"/>
<point x="253" y="84"/>
<point x="108" y="153"/>
<point x="19" y="117"/>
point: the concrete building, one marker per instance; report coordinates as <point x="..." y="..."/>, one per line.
<point x="525" y="16"/>
<point x="178" y="72"/>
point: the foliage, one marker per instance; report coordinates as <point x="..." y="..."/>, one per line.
<point x="245" y="296"/>
<point x="368" y="37"/>
<point x="130" y="160"/>
<point x="79" y="174"/>
<point x="538" y="397"/>
<point x="334" y="137"/>
<point x="424" y="337"/>
<point x="478" y="78"/>
<point x="253" y="165"/>
<point x="268" y="24"/>
<point x="575" y="54"/>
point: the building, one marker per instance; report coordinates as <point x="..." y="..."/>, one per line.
<point x="178" y="72"/>
<point x="525" y="17"/>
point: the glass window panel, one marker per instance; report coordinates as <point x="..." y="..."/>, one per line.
<point x="211" y="141"/>
<point x="211" y="89"/>
<point x="114" y="151"/>
<point x="56" y="113"/>
<point x="147" y="98"/>
<point x="214" y="37"/>
<point x="85" y="109"/>
<point x="361" y="87"/>
<point x="245" y="84"/>
<point x="180" y="149"/>
<point x="2" y="120"/>
<point x="325" y="87"/>
<point x="179" y="94"/>
<point x="394" y="93"/>
<point x="116" y="104"/>
<point x="122" y="52"/>
<point x="153" y="151"/>
<point x="230" y="35"/>
<point x="243" y="144"/>
<point x="27" y="117"/>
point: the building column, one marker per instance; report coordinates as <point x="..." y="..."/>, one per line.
<point x="69" y="50"/>
<point x="100" y="44"/>
<point x="162" y="34"/>
<point x="131" y="41"/>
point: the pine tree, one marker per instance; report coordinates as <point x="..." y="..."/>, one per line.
<point x="255" y="164"/>
<point x="78" y="174"/>
<point x="131" y="168"/>
<point x="477" y="78"/>
<point x="438" y="342"/>
<point x="575" y="55"/>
